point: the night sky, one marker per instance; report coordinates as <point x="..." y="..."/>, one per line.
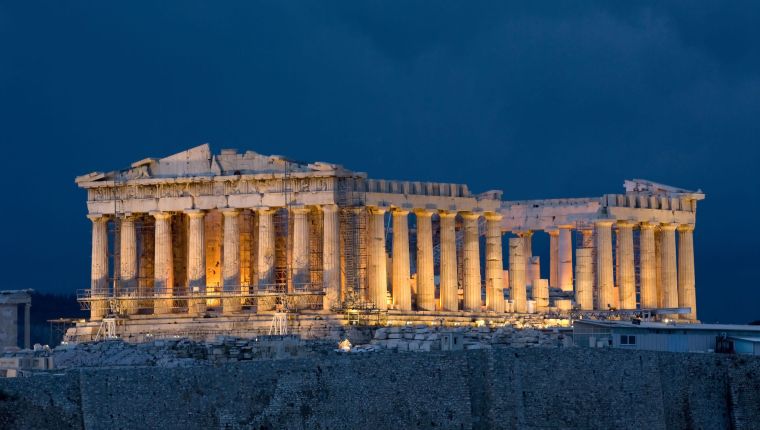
<point x="561" y="99"/>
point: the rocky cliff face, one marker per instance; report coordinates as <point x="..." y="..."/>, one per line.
<point x="533" y="388"/>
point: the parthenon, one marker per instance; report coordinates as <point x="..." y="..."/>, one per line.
<point x="238" y="233"/>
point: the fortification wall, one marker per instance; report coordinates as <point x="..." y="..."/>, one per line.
<point x="500" y="388"/>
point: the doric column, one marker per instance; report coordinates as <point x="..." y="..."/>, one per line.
<point x="449" y="287"/>
<point x="196" y="259"/>
<point x="471" y="263"/>
<point x="604" y="275"/>
<point x="658" y="266"/>
<point x="265" y="248"/>
<point x="425" y="262"/>
<point x="627" y="287"/>
<point x="331" y="256"/>
<point x="565" y="250"/>
<point x="128" y="263"/>
<point x="494" y="264"/>
<point x="584" y="279"/>
<point x="587" y="238"/>
<point x="99" y="267"/>
<point x="527" y="237"/>
<point x="647" y="267"/>
<point x="517" y="274"/>
<point x="669" y="269"/>
<point x="553" y="257"/>
<point x="377" y="273"/>
<point x="301" y="275"/>
<point x="686" y="284"/>
<point x="27" y="326"/>
<point x="163" y="271"/>
<point x="541" y="294"/>
<point x="401" y="290"/>
<point x="231" y="261"/>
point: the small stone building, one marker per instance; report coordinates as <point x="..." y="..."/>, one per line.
<point x="10" y="301"/>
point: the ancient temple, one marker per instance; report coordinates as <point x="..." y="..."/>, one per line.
<point x="245" y="233"/>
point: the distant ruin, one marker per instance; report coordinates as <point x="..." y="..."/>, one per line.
<point x="239" y="236"/>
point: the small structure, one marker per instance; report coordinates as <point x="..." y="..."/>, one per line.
<point x="746" y="345"/>
<point x="452" y="341"/>
<point x="659" y="336"/>
<point x="9" y="304"/>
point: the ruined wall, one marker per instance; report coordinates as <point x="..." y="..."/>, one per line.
<point x="501" y="388"/>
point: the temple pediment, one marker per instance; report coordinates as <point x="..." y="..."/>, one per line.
<point x="199" y="162"/>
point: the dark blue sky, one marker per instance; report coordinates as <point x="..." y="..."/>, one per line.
<point x="542" y="101"/>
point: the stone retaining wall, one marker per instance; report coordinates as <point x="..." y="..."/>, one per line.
<point x="533" y="388"/>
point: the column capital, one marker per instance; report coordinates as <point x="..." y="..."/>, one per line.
<point x="195" y="213"/>
<point x="493" y="216"/>
<point x="329" y="207"/>
<point x="566" y="226"/>
<point x="552" y="231"/>
<point x="265" y="209"/>
<point x="668" y="226"/>
<point x="470" y="216"/>
<point x="686" y="227"/>
<point x="647" y="225"/>
<point x="97" y="217"/>
<point x="422" y="212"/>
<point x="604" y="222"/>
<point x="523" y="233"/>
<point x="377" y="210"/>
<point x="230" y="212"/>
<point x="161" y="215"/>
<point x="447" y="214"/>
<point x="626" y="224"/>
<point x="400" y="211"/>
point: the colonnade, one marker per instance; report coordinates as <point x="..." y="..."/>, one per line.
<point x="164" y="284"/>
<point x="665" y="277"/>
<point x="472" y="281"/>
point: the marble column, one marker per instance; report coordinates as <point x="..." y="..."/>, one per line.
<point x="128" y="264"/>
<point x="163" y="271"/>
<point x="301" y="275"/>
<point x="196" y="260"/>
<point x="99" y="267"/>
<point x="331" y="256"/>
<point x="553" y="257"/>
<point x="584" y="279"/>
<point x="647" y="267"/>
<point x="627" y="287"/>
<point x="669" y="269"/>
<point x="541" y="294"/>
<point x="400" y="285"/>
<point x="377" y="271"/>
<point x="517" y="274"/>
<point x="686" y="283"/>
<point x="449" y="287"/>
<point x="265" y="248"/>
<point x="604" y="276"/>
<point x="27" y="326"/>
<point x="658" y="266"/>
<point x="494" y="264"/>
<point x="231" y="261"/>
<point x="527" y="237"/>
<point x="425" y="262"/>
<point x="565" y="252"/>
<point x="471" y="263"/>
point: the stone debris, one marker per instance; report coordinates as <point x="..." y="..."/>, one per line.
<point x="181" y="352"/>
